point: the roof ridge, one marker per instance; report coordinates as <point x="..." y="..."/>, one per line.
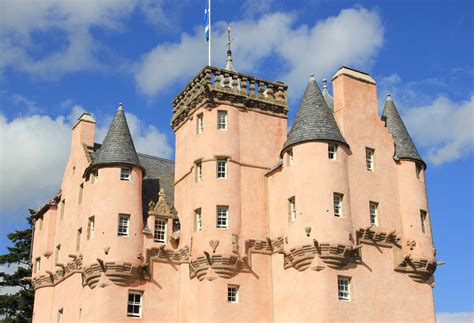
<point x="155" y="157"/>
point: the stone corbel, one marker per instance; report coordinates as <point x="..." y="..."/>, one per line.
<point x="102" y="265"/>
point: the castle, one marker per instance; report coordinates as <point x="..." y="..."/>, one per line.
<point x="325" y="222"/>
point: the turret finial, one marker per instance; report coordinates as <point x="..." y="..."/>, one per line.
<point x="229" y="63"/>
<point x="325" y="85"/>
<point x="120" y="106"/>
<point x="311" y="77"/>
<point x="389" y="97"/>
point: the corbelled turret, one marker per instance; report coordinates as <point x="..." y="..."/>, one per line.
<point x="117" y="147"/>
<point x="404" y="146"/>
<point x="314" y="120"/>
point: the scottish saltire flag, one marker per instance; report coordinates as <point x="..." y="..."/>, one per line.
<point x="206" y="21"/>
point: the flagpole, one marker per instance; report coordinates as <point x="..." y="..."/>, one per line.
<point x="209" y="49"/>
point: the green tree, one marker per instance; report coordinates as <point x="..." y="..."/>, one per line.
<point x="18" y="306"/>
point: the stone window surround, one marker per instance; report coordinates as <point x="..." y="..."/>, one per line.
<point x="338" y="199"/>
<point x="332" y="151"/>
<point x="374" y="213"/>
<point x="370" y="158"/>
<point x="198" y="170"/>
<point x="344" y="286"/>
<point x="198" y="219"/>
<point x="233" y="295"/>
<point x="222" y="219"/>
<point x="126" y="174"/>
<point x="123" y="229"/>
<point x="134" y="303"/>
<point x="199" y="123"/>
<point x="222" y="120"/>
<point x="160" y="230"/>
<point x="222" y="169"/>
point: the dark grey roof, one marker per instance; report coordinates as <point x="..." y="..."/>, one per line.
<point x="117" y="147"/>
<point x="314" y="120"/>
<point x="404" y="146"/>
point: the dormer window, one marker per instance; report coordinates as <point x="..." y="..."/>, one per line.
<point x="332" y="152"/>
<point x="222" y="120"/>
<point x="200" y="123"/>
<point x="160" y="230"/>
<point x="125" y="174"/>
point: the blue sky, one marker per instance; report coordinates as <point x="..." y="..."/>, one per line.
<point x="58" y="59"/>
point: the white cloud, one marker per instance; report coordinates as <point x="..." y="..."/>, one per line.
<point x="445" y="128"/>
<point x="351" y="38"/>
<point x="459" y="317"/>
<point x="35" y="149"/>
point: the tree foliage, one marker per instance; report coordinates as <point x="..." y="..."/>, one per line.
<point x="17" y="306"/>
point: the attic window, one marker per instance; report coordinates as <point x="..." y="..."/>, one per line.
<point x="332" y="152"/>
<point x="125" y="174"/>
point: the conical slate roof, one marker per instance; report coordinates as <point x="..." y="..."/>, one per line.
<point x="314" y="120"/>
<point x="404" y="146"/>
<point x="117" y="147"/>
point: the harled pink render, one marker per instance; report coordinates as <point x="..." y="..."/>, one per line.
<point x="279" y="252"/>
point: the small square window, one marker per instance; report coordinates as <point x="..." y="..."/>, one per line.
<point x="373" y="207"/>
<point x="90" y="227"/>
<point x="343" y="288"/>
<point x="338" y="204"/>
<point x="123" y="225"/>
<point x="200" y="123"/>
<point x="222" y="217"/>
<point x="134" y="304"/>
<point x="423" y="218"/>
<point x="160" y="230"/>
<point x="369" y="158"/>
<point x="233" y="294"/>
<point x="222" y="168"/>
<point x="197" y="220"/>
<point x="125" y="174"/>
<point x="332" y="152"/>
<point x="222" y="120"/>
<point x="198" y="170"/>
<point x="292" y="209"/>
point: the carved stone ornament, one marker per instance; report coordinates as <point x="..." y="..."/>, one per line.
<point x="214" y="244"/>
<point x="308" y="231"/>
<point x="235" y="243"/>
<point x="161" y="208"/>
<point x="411" y="244"/>
<point x="106" y="250"/>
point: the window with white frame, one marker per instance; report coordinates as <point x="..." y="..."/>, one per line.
<point x="423" y="218"/>
<point x="81" y="189"/>
<point x="37" y="264"/>
<point x="63" y="205"/>
<point x="292" y="209"/>
<point x="78" y="239"/>
<point x="57" y="254"/>
<point x="233" y="294"/>
<point x="222" y="220"/>
<point x="338" y="204"/>
<point x="125" y="174"/>
<point x="95" y="176"/>
<point x="198" y="169"/>
<point x="343" y="288"/>
<point x="200" y="123"/>
<point x="373" y="207"/>
<point x="290" y="159"/>
<point x="197" y="220"/>
<point x="160" y="230"/>
<point x="332" y="152"/>
<point x="222" y="168"/>
<point x="134" y="304"/>
<point x="369" y="158"/>
<point x="90" y="227"/>
<point x="60" y="316"/>
<point x="222" y="120"/>
<point x="123" y="225"/>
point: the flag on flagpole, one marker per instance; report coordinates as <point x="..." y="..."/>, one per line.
<point x="207" y="21"/>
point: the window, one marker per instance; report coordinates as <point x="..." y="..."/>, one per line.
<point x="290" y="159"/>
<point x="176" y="224"/>
<point x="90" y="227"/>
<point x="198" y="166"/>
<point x="125" y="174"/>
<point x="222" y="217"/>
<point x="343" y="288"/>
<point x="222" y="120"/>
<point x="369" y="158"/>
<point x="160" y="230"/>
<point x="373" y="206"/>
<point x="60" y="316"/>
<point x="37" y="264"/>
<point x="57" y="254"/>
<point x="197" y="220"/>
<point x="63" y="205"/>
<point x="123" y="224"/>
<point x="338" y="205"/>
<point x="78" y="239"/>
<point x="134" y="305"/>
<point x="81" y="189"/>
<point x="423" y="217"/>
<point x="200" y="123"/>
<point x="332" y="150"/>
<point x="232" y="293"/>
<point x="95" y="176"/>
<point x="222" y="168"/>
<point x="292" y="209"/>
<point x="418" y="170"/>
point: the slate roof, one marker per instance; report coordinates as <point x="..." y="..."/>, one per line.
<point x="118" y="147"/>
<point x="314" y="120"/>
<point x="404" y="146"/>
